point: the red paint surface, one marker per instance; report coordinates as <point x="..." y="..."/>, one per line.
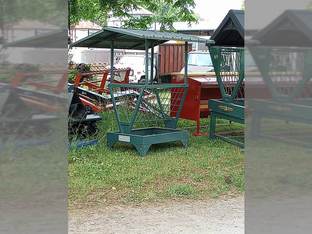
<point x="201" y="89"/>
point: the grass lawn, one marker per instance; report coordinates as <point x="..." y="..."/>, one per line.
<point x="205" y="169"/>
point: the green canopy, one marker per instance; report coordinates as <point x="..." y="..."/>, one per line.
<point x="133" y="39"/>
<point x="292" y="28"/>
<point x="231" y="30"/>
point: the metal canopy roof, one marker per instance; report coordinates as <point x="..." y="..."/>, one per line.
<point x="133" y="39"/>
<point x="231" y="30"/>
<point x="55" y="39"/>
<point x="291" y="28"/>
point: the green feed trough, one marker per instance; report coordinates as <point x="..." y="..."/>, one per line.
<point x="143" y="115"/>
<point x="144" y="111"/>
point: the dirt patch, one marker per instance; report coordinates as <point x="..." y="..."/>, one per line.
<point x="219" y="216"/>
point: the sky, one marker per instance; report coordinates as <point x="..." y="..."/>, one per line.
<point x="213" y="11"/>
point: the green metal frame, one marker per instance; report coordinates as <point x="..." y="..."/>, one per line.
<point x="143" y="138"/>
<point x="230" y="106"/>
<point x="262" y="55"/>
<point x="281" y="106"/>
<point x="128" y="131"/>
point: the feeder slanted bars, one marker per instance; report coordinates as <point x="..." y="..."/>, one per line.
<point x="229" y="68"/>
<point x="284" y="62"/>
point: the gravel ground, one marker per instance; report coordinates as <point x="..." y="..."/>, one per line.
<point x="220" y="216"/>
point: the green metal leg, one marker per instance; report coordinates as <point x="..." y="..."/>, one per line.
<point x="142" y="149"/>
<point x="185" y="140"/>
<point x="184" y="143"/>
<point x="212" y="127"/>
<point x="111" y="140"/>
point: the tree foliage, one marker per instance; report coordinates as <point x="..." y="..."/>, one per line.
<point x="48" y="11"/>
<point x="165" y="12"/>
<point x="51" y="11"/>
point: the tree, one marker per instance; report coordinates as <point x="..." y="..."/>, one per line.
<point x="165" y="12"/>
<point x="92" y="10"/>
<point x="13" y="11"/>
<point x="51" y="11"/>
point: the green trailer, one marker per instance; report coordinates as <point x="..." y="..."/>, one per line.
<point x="143" y="111"/>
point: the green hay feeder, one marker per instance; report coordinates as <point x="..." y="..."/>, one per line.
<point x="144" y="111"/>
<point x="228" y="61"/>
<point x="282" y="54"/>
<point x="229" y="68"/>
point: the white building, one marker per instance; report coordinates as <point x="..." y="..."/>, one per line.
<point x="86" y="55"/>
